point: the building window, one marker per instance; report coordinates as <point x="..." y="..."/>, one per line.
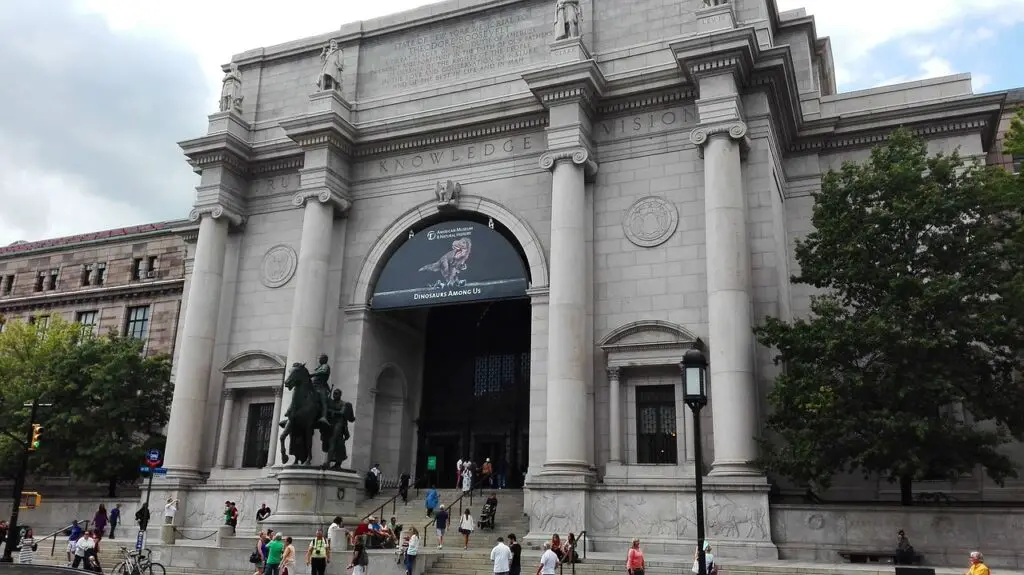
<point x="41" y="322"/>
<point x="137" y="323"/>
<point x="101" y="274"/>
<point x="51" y="280"/>
<point x="87" y="275"/>
<point x="8" y="285"/>
<point x="40" y="281"/>
<point x="88" y="320"/>
<point x="656" y="425"/>
<point x="136" y="269"/>
<point x="257" y="435"/>
<point x="1018" y="161"/>
<point x="150" y="267"/>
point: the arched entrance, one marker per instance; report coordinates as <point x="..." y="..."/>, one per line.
<point x="449" y="304"/>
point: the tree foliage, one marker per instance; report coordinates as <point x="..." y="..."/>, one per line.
<point x="1013" y="141"/>
<point x="109" y="402"/>
<point x="919" y="265"/>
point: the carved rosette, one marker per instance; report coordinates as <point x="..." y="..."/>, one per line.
<point x="217" y="211"/>
<point x="340" y="203"/>
<point x="734" y="130"/>
<point x="578" y="156"/>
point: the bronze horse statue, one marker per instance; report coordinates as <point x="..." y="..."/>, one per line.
<point x="302" y="416"/>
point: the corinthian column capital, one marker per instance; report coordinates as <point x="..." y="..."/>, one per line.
<point x="578" y="156"/>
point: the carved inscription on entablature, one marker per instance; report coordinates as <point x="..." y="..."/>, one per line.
<point x="455" y="49"/>
<point x="645" y="123"/>
<point x="268" y="185"/>
<point x="452" y="156"/>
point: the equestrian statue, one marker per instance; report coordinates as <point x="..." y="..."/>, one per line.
<point x="315" y="408"/>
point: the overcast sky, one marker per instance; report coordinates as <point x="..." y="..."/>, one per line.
<point x="98" y="92"/>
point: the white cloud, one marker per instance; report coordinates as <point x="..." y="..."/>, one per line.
<point x="980" y="81"/>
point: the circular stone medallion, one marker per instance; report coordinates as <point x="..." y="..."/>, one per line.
<point x="650" y="222"/>
<point x="279" y="265"/>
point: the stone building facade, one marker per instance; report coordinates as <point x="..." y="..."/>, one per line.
<point x="651" y="163"/>
<point x="128" y="281"/>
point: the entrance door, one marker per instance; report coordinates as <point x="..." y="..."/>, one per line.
<point x="445" y="447"/>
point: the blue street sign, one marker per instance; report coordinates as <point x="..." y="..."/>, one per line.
<point x="157" y="470"/>
<point x="153" y="455"/>
<point x="140" y="540"/>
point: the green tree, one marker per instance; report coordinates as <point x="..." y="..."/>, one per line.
<point x="1013" y="141"/>
<point x="919" y="263"/>
<point x="109" y="403"/>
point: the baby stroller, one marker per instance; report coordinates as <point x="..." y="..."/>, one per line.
<point x="487" y="517"/>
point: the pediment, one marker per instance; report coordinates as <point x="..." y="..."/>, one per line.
<point x="254" y="361"/>
<point x="648" y="334"/>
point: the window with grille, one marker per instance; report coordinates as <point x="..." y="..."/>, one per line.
<point x="137" y="323"/>
<point x="495" y="373"/>
<point x="656" y="425"/>
<point x="88" y="320"/>
<point x="257" y="435"/>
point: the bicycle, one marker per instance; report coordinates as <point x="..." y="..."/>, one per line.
<point x="137" y="563"/>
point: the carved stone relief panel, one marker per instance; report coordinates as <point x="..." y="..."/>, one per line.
<point x="279" y="265"/>
<point x="650" y="222"/>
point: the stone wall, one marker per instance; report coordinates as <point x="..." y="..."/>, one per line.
<point x="944" y="535"/>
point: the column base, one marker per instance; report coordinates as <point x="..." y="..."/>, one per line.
<point x="734" y="469"/>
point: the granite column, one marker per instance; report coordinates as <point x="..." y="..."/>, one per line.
<point x="226" y="420"/>
<point x="733" y="392"/>
<point x="614" y="417"/>
<point x="195" y="360"/>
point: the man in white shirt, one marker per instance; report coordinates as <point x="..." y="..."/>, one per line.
<point x="501" y="556"/>
<point x="548" y="561"/>
<point x="169" y="510"/>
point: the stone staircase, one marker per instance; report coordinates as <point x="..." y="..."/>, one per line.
<point x="509" y="517"/>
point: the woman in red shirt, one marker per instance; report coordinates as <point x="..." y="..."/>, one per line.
<point x="635" y="559"/>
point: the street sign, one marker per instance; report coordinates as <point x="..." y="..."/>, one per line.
<point x="156" y="470"/>
<point x="431" y="463"/>
<point x="140" y="540"/>
<point x="153" y="458"/>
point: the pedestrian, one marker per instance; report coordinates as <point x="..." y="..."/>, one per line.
<point x="115" y="518"/>
<point x="412" y="551"/>
<point x="142" y="517"/>
<point x="515" y="567"/>
<point x="501" y="558"/>
<point x="169" y="510"/>
<point x="548" y="561"/>
<point x="467" y="478"/>
<point x="335" y="530"/>
<point x="403" y="487"/>
<point x="99" y="520"/>
<point x="978" y="566"/>
<point x="288" y="559"/>
<point x="441" y="525"/>
<point x="73" y="536"/>
<point x="635" y="564"/>
<point x="432" y="500"/>
<point x="318" y="554"/>
<point x="275" y="552"/>
<point x="359" y="559"/>
<point x="27" y="548"/>
<point x="83" y="545"/>
<point x="261" y="514"/>
<point x="466" y="527"/>
<point x="259" y="556"/>
<point x="458" y="473"/>
<point x="709" y="561"/>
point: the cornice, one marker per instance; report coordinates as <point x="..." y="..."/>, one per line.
<point x="175" y="227"/>
<point x="579" y="82"/>
<point x="533" y="121"/>
<point x="217" y="211"/>
<point x="105" y="293"/>
<point x="329" y="125"/>
<point x="225" y="148"/>
<point x="731" y="50"/>
<point x="966" y="114"/>
<point x="647" y="100"/>
<point x="278" y="164"/>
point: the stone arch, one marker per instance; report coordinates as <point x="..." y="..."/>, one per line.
<point x="254" y="361"/>
<point x="391" y="420"/>
<point x="377" y="256"/>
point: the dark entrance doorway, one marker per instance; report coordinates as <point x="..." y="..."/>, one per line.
<point x="476" y="389"/>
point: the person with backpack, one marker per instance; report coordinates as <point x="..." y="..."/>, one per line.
<point x="318" y="555"/>
<point x="359" y="560"/>
<point x="709" y="561"/>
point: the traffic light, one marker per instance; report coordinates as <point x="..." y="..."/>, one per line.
<point x="37" y="430"/>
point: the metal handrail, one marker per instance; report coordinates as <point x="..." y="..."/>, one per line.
<point x="394" y="503"/>
<point x="53" y="548"/>
<point x="478" y="485"/>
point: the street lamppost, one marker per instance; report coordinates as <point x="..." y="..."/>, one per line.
<point x="695" y="394"/>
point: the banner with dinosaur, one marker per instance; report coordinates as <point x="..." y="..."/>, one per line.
<point x="451" y="262"/>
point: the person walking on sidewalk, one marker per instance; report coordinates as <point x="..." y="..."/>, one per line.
<point x="275" y="552"/>
<point x="466" y="527"/>
<point x="412" y="551"/>
<point x="501" y="557"/>
<point x="635" y="564"/>
<point x="441" y="525"/>
<point x="318" y="555"/>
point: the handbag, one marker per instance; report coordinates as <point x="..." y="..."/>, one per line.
<point x="254" y="558"/>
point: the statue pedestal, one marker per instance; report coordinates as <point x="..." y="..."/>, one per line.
<point x="309" y="498"/>
<point x="715" y="18"/>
